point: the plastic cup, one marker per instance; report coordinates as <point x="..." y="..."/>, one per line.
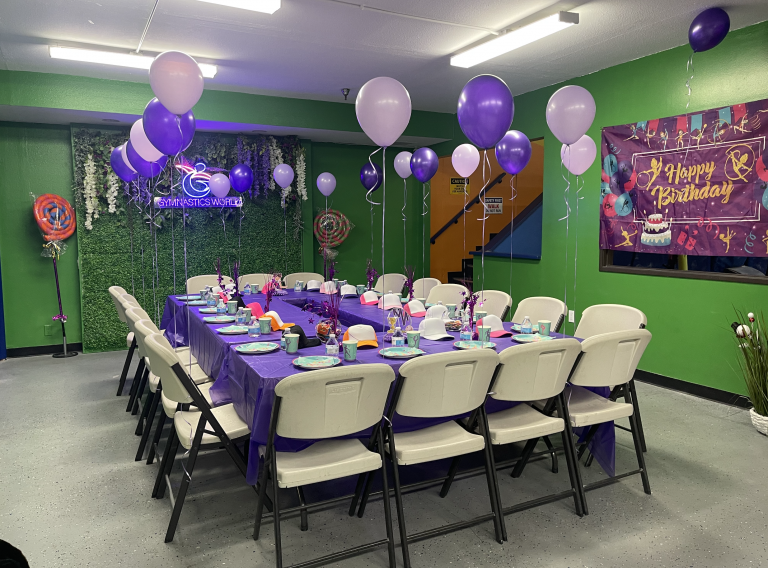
<point x="545" y="326"/>
<point x="265" y="325"/>
<point x="414" y="338"/>
<point x="232" y="307"/>
<point x="361" y="289"/>
<point x="451" y="310"/>
<point x="350" y="350"/>
<point x="484" y="333"/>
<point x="291" y="342"/>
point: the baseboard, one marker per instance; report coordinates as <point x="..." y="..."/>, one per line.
<point x="701" y="391"/>
<point x="43" y="350"/>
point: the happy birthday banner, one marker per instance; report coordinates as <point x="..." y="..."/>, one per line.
<point x="694" y="184"/>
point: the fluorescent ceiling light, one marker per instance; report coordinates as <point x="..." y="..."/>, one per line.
<point x="119" y="59"/>
<point x="266" y="6"/>
<point x="512" y="40"/>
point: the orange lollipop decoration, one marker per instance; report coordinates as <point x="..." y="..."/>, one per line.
<point x="54" y="216"/>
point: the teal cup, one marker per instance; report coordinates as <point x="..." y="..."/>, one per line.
<point x="232" y="307"/>
<point x="414" y="338"/>
<point x="265" y="325"/>
<point x="545" y="327"/>
<point x="361" y="289"/>
<point x="350" y="350"/>
<point x="451" y="310"/>
<point x="484" y="333"/>
<point x="291" y="342"/>
<point x="480" y="314"/>
<point x="247" y="314"/>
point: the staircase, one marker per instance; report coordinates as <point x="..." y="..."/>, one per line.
<point x="466" y="269"/>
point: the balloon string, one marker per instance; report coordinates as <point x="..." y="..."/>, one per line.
<point x="424" y="211"/>
<point x="285" y="237"/>
<point x="566" y="219"/>
<point x="130" y="220"/>
<point x="576" y="246"/>
<point x="371" y="201"/>
<point x="485" y="216"/>
<point x="689" y="67"/>
<point x="464" y="219"/>
<point x="173" y="239"/>
<point x="511" y="228"/>
<point x="325" y="233"/>
<point x="153" y="233"/>
<point x="383" y="225"/>
<point x="405" y="203"/>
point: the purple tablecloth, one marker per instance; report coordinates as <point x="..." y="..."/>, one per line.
<point x="248" y="381"/>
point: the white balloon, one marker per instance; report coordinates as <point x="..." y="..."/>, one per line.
<point x="465" y="159"/>
<point x="123" y="153"/>
<point x="383" y="109"/>
<point x="403" y="164"/>
<point x="141" y="143"/>
<point x="176" y="80"/>
<point x="219" y="185"/>
<point x="578" y="156"/>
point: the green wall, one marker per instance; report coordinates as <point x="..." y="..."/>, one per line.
<point x="689" y="318"/>
<point x="36" y="159"/>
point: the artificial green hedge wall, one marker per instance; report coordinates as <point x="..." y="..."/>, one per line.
<point x="122" y="246"/>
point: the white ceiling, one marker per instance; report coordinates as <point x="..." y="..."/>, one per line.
<point x="313" y="48"/>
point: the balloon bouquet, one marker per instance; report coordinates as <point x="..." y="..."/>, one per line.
<point x="707" y="30"/>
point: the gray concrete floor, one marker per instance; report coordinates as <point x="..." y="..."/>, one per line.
<point x="72" y="495"/>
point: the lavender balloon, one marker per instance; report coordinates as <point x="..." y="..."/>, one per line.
<point x="188" y="125"/>
<point x="241" y="178"/>
<point x="326" y="183"/>
<point x="162" y="128"/>
<point x="219" y="184"/>
<point x="513" y="152"/>
<point x="371" y="177"/>
<point x="424" y="164"/>
<point x="708" y="29"/>
<point x="283" y="175"/>
<point x="485" y="110"/>
<point x="143" y="167"/>
<point x="119" y="166"/>
<point x="141" y="143"/>
<point x="570" y="112"/>
<point x="403" y="164"/>
<point x="578" y="157"/>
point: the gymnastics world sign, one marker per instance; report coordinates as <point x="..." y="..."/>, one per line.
<point x="197" y="193"/>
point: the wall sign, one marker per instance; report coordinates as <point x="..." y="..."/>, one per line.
<point x="458" y="186"/>
<point x="197" y="193"/>
<point x="494" y="205"/>
<point x="694" y="184"/>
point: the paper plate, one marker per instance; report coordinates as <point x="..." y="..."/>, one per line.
<point x="400" y="352"/>
<point x="316" y="362"/>
<point x="219" y="319"/>
<point x="197" y="303"/>
<point x="187" y="298"/>
<point x="474" y="345"/>
<point x="258" y="348"/>
<point x="207" y="310"/>
<point x="518" y="327"/>
<point x="530" y="338"/>
<point x="233" y="330"/>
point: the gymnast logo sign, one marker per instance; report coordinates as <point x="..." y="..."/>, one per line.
<point x="195" y="180"/>
<point x="197" y="203"/>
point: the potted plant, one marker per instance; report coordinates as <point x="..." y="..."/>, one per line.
<point x="752" y="340"/>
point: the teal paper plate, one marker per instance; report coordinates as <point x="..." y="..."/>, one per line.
<point x="400" y="352"/>
<point x="189" y="297"/>
<point x="207" y="310"/>
<point x="257" y="348"/>
<point x="197" y="303"/>
<point x="531" y="338"/>
<point x="315" y="362"/>
<point x="233" y="330"/>
<point x="219" y="319"/>
<point x="474" y="345"/>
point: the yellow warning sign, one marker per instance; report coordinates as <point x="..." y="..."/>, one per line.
<point x="458" y="185"/>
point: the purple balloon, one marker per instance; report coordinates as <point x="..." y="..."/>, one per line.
<point x="485" y="110"/>
<point x="513" y="152"/>
<point x="188" y="125"/>
<point x="371" y="177"/>
<point x="326" y="183"/>
<point x="143" y="167"/>
<point x="119" y="166"/>
<point x="424" y="164"/>
<point x="241" y="178"/>
<point x="162" y="128"/>
<point x="708" y="29"/>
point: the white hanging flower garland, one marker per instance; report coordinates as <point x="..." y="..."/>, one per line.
<point x="301" y="175"/>
<point x="113" y="187"/>
<point x="275" y="159"/>
<point x="89" y="193"/>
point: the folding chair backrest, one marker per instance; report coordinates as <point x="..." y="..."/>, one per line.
<point x="143" y="329"/>
<point x="256" y="279"/>
<point x="162" y="358"/>
<point x="290" y="280"/>
<point x="423" y="286"/>
<point x="610" y="358"/>
<point x="448" y="294"/>
<point x="197" y="283"/>
<point x="133" y="315"/>
<point x="116" y="292"/>
<point x="445" y="384"/>
<point x="495" y="302"/>
<point x="606" y="318"/>
<point x="541" y="308"/>
<point x="333" y="402"/>
<point x="392" y="281"/>
<point x="535" y="371"/>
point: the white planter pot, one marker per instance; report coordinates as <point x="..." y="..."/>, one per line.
<point x="759" y="422"/>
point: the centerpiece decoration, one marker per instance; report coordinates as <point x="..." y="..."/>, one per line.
<point x="469" y="303"/>
<point x="328" y="310"/>
<point x="752" y="341"/>
<point x="270" y="288"/>
<point x="371" y="274"/>
<point x="394" y="317"/>
<point x="409" y="279"/>
<point x="219" y="277"/>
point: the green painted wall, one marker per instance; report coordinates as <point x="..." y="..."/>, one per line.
<point x="38" y="159"/>
<point x="689" y="318"/>
<point x="345" y="162"/>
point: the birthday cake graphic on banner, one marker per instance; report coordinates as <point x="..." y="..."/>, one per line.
<point x="694" y="184"/>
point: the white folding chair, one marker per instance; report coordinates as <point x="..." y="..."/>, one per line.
<point x="197" y="283"/>
<point x="423" y="286"/>
<point x="116" y="292"/>
<point x="495" y="302"/>
<point x="393" y="282"/>
<point x="606" y="318"/>
<point x="290" y="280"/>
<point x="528" y="373"/>
<point x="541" y="308"/>
<point x="206" y="426"/>
<point x="439" y="386"/>
<point x="324" y="405"/>
<point x="448" y="294"/>
<point x="256" y="279"/>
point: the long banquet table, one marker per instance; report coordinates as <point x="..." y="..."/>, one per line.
<point x="248" y="381"/>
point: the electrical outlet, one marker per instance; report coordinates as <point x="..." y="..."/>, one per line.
<point x="48" y="329"/>
<point x="571" y="316"/>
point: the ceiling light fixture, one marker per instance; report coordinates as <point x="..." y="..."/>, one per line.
<point x="119" y="59"/>
<point x="266" y="6"/>
<point x="515" y="39"/>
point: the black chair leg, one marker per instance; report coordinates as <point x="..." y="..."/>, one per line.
<point x="140" y="391"/>
<point x="152" y="401"/>
<point x="387" y="504"/>
<point x="366" y="494"/>
<point x="144" y="412"/>
<point x="399" y="501"/>
<point x="304" y="514"/>
<point x="276" y="512"/>
<point x="585" y="444"/>
<point x="552" y="452"/>
<point x="157" y="436"/>
<point x="639" y="452"/>
<point x="527" y="451"/>
<point x="169" y="454"/>
<point x="451" y="474"/>
<point x="358" y="490"/>
<point x="493" y="489"/>
<point x="135" y="384"/>
<point x="126" y="365"/>
<point x="185" y="481"/>
<point x="261" y="484"/>
<point x="638" y="419"/>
